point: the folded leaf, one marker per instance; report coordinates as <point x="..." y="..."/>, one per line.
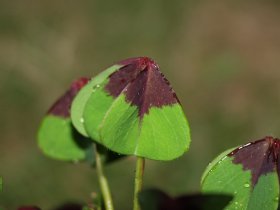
<point x="134" y="111"/>
<point x="57" y="138"/>
<point x="250" y="172"/>
<point x="82" y="97"/>
<point x="60" y="140"/>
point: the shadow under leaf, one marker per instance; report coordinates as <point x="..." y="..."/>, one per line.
<point x="154" y="199"/>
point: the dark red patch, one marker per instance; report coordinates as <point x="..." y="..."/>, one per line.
<point x="28" y="208"/>
<point x="62" y="106"/>
<point x="260" y="157"/>
<point x="70" y="206"/>
<point x="143" y="85"/>
<point x="161" y="201"/>
<point x="121" y="78"/>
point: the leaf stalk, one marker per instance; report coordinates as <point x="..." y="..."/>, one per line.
<point x="103" y="183"/>
<point x="139" y="172"/>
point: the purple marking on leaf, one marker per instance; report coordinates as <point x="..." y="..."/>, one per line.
<point x="143" y="85"/>
<point x="121" y="78"/>
<point x="260" y="157"/>
<point x="62" y="106"/>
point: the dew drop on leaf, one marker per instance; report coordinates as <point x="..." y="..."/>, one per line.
<point x="246" y="185"/>
<point x="236" y="205"/>
<point x="95" y="88"/>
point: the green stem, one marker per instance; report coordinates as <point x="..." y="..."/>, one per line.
<point x="103" y="183"/>
<point x="140" y="165"/>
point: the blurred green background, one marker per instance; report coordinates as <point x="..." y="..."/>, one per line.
<point x="221" y="57"/>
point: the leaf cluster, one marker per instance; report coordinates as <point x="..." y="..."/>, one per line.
<point x="130" y="109"/>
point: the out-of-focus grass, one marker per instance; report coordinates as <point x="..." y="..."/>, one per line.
<point x="221" y="57"/>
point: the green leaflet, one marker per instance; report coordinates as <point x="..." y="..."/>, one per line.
<point x="214" y="162"/>
<point x="132" y="109"/>
<point x="58" y="139"/>
<point x="163" y="134"/>
<point x="226" y="177"/>
<point x="82" y="97"/>
<point x="57" y="136"/>
<point x="95" y="109"/>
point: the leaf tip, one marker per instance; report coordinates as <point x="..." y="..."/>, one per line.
<point x="61" y="107"/>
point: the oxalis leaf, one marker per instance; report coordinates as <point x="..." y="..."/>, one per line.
<point x="134" y="111"/>
<point x="60" y="140"/>
<point x="82" y="97"/>
<point x="56" y="136"/>
<point x="249" y="172"/>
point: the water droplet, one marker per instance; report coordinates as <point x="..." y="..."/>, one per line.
<point x="224" y="158"/>
<point x="211" y="170"/>
<point x="246" y="185"/>
<point x="82" y="120"/>
<point x="235" y="192"/>
<point x="276" y="199"/>
<point x="236" y="205"/>
<point x="95" y="88"/>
